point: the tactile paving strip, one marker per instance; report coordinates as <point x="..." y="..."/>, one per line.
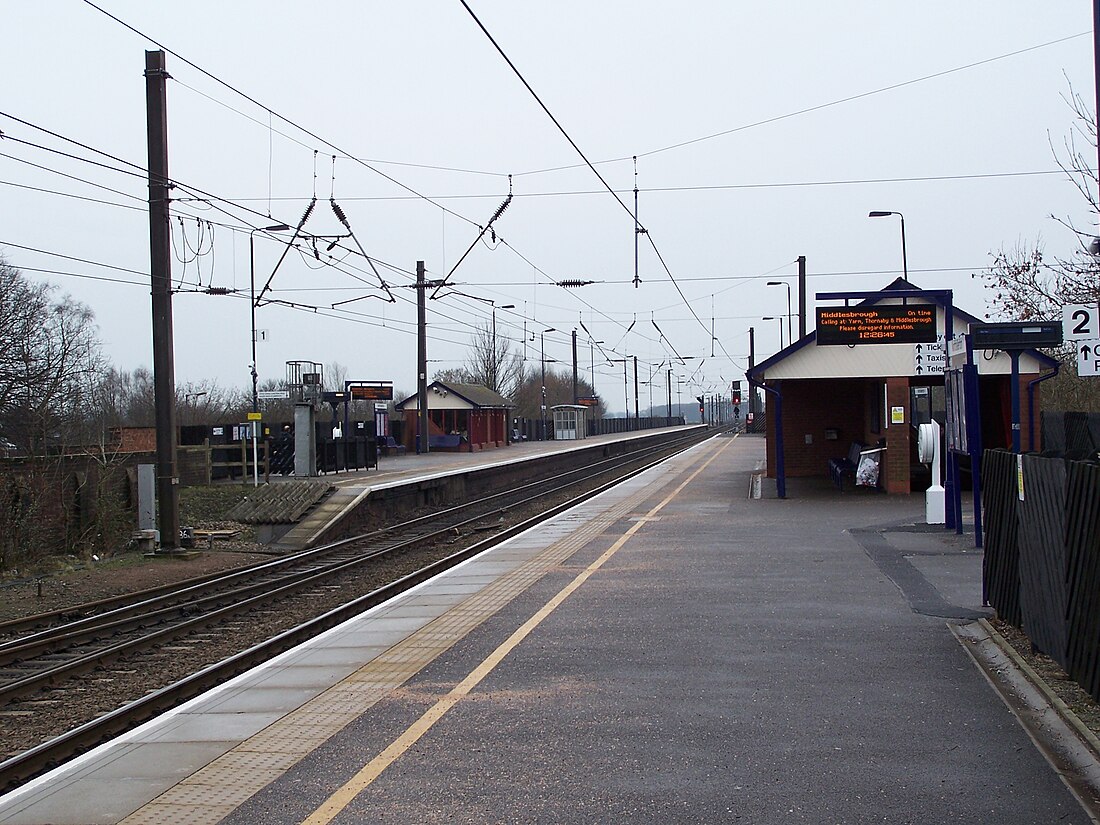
<point x="215" y="791"/>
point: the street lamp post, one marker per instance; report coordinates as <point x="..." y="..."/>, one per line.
<point x="780" y="320"/>
<point x="279" y="227"/>
<point x="542" y="359"/>
<point x="904" y="262"/>
<point x="494" y="361"/>
<point x="668" y="409"/>
<point x="790" y="339"/>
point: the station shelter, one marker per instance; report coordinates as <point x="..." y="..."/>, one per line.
<point x="570" y="422"/>
<point x="876" y="394"/>
<point x="461" y="417"/>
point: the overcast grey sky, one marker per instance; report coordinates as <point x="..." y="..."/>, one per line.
<point x="813" y="114"/>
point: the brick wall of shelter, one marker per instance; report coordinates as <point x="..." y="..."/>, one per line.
<point x="896" y="466"/>
<point x="810" y="407"/>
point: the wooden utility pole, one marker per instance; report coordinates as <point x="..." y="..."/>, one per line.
<point x="421" y="360"/>
<point x="160" y="270"/>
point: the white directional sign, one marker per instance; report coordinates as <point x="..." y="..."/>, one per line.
<point x="1088" y="356"/>
<point x="271" y="395"/>
<point x="1080" y="322"/>
<point x="929" y="359"/>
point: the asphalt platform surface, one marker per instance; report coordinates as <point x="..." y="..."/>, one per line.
<point x="735" y="660"/>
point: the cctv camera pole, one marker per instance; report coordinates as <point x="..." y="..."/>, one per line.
<point x="421" y="361"/>
<point x="802" y="294"/>
<point x="574" y="361"/>
<point x="668" y="413"/>
<point x="160" y="270"/>
<point x="636" y="392"/>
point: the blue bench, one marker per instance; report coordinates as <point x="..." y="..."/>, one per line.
<point x="444" y="442"/>
<point x="843" y="468"/>
<point x="387" y="445"/>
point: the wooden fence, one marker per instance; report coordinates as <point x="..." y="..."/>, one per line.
<point x="1042" y="556"/>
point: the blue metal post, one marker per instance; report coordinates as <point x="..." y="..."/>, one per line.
<point x="1014" y="356"/>
<point x="974" y="445"/>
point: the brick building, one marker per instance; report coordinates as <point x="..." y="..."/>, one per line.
<point x="876" y="394"/>
<point x="461" y="417"/>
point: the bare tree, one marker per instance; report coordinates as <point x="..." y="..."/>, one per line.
<point x="492" y="363"/>
<point x="1027" y="285"/>
<point x="50" y="361"/>
<point x="335" y="376"/>
<point x="559" y="390"/>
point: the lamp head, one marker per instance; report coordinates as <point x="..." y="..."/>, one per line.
<point x="879" y="214"/>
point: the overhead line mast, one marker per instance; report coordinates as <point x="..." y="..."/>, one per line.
<point x="160" y="270"/>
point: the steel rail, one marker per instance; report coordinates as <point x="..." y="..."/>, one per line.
<point x="140" y="602"/>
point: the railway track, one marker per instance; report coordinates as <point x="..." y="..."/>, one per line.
<point x="246" y="616"/>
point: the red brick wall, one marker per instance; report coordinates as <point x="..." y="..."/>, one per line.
<point x="810" y="407"/>
<point x="896" y="466"/>
<point x="135" y="439"/>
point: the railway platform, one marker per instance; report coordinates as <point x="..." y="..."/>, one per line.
<point x="408" y="475"/>
<point x="669" y="651"/>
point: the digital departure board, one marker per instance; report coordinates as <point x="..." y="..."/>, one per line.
<point x="890" y="324"/>
<point x="372" y="393"/>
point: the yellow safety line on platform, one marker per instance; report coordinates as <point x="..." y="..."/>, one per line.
<point x="344" y="796"/>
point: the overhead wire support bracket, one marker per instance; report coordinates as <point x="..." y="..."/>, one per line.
<point x="488" y="227"/>
<point x="340" y="216"/>
<point x="665" y="339"/>
<point x="289" y="246"/>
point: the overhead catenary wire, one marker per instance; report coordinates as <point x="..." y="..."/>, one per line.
<point x="481" y="234"/>
<point x="281" y="117"/>
<point x="639" y="229"/>
<point x="98" y="201"/>
<point x="661" y="319"/>
<point x="271" y="111"/>
<point x="205" y="200"/>
<point x="648" y="153"/>
<point x="545" y="108"/>
<point x="590" y="305"/>
<point x="818" y="107"/>
<point x="694" y="188"/>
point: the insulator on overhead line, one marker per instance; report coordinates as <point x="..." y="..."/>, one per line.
<point x="308" y="212"/>
<point x="501" y="208"/>
<point x="340" y="216"/>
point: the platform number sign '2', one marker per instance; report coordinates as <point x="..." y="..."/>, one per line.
<point x="1081" y="325"/>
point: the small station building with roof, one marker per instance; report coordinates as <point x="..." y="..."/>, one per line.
<point x="827" y="392"/>
<point x="461" y="417"/>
